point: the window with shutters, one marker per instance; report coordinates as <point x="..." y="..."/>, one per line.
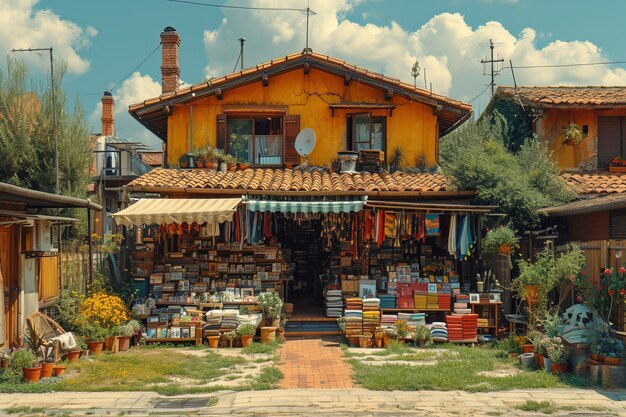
<point x="611" y="139"/>
<point x="367" y="132"/>
<point x="259" y="139"/>
<point x="618" y="224"/>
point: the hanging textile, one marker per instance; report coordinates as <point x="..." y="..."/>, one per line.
<point x="420" y="227"/>
<point x="380" y="227"/>
<point x="465" y="241"/>
<point x="432" y="224"/>
<point x="390" y="225"/>
<point x="452" y="235"/>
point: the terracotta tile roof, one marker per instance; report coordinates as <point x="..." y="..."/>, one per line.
<point x="569" y="96"/>
<point x="154" y="159"/>
<point x="596" y="182"/>
<point x="288" y="180"/>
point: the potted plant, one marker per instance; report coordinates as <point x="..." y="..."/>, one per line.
<point x="47" y="366"/>
<point x="220" y="158"/>
<point x="402" y="330"/>
<point x="538" y="342"/>
<point x="422" y="334"/>
<point x="230" y="337"/>
<point x="59" y="369"/>
<point x="246" y="332"/>
<point x="378" y="337"/>
<point x="125" y="333"/>
<point x="572" y="135"/>
<point x="243" y="165"/>
<point x="199" y="156"/>
<point x="365" y="340"/>
<point x="231" y="162"/>
<point x="96" y="336"/>
<point x="500" y="240"/>
<point x="390" y="333"/>
<point x="183" y="161"/>
<point x="24" y="361"/>
<point x="558" y="355"/>
<point x="271" y="307"/>
<point x="214" y="341"/>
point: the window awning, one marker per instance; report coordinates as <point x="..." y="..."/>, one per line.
<point x="189" y="210"/>
<point x="344" y="206"/>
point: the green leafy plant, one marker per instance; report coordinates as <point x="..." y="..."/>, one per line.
<point x="247" y="329"/>
<point x="397" y="160"/>
<point x="271" y="305"/>
<point x="402" y="329"/>
<point x="556" y="351"/>
<point x="22" y="358"/>
<point x="510" y="344"/>
<point x="499" y="236"/>
<point x="126" y="330"/>
<point x="422" y="332"/>
<point x="573" y="135"/>
<point x="341" y="323"/>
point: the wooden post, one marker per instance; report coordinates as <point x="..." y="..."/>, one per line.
<point x="90" y="247"/>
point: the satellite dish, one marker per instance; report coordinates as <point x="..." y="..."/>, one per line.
<point x="305" y="142"/>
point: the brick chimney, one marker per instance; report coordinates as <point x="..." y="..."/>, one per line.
<point x="170" y="67"/>
<point x="108" y="121"/>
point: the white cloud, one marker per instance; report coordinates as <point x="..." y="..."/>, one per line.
<point x="133" y="90"/>
<point x="22" y="26"/>
<point x="446" y="46"/>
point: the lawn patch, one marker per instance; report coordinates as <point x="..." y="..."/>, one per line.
<point x="545" y="407"/>
<point x="261" y="348"/>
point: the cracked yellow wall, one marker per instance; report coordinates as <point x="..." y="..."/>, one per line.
<point x="550" y="131"/>
<point x="411" y="126"/>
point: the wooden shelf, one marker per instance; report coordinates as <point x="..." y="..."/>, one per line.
<point x="417" y="310"/>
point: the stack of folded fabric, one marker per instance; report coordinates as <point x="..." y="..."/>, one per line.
<point x="439" y="331"/>
<point x="230" y="320"/>
<point x="470" y="327"/>
<point x="432" y="301"/>
<point x="413" y="319"/>
<point x="461" y="304"/>
<point x="483" y="322"/>
<point x="455" y="327"/>
<point x="443" y="300"/>
<point x="334" y="303"/>
<point x="213" y="323"/>
<point x="354" y="316"/>
<point x="387" y="301"/>
<point x="388" y="321"/>
<point x="419" y="298"/>
<point x="371" y="314"/>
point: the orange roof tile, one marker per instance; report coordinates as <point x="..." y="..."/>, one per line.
<point x="596" y="182"/>
<point x="289" y="180"/>
<point x="152" y="158"/>
<point x="574" y="96"/>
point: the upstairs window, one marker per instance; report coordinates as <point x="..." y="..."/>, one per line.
<point x="611" y="139"/>
<point x="366" y="132"/>
<point x="256" y="140"/>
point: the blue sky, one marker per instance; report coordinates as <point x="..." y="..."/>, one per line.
<point x="104" y="40"/>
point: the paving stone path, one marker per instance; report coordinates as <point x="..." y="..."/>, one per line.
<point x="313" y="363"/>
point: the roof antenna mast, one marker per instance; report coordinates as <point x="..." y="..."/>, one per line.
<point x="494" y="71"/>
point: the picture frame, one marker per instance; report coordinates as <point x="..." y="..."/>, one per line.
<point x="474" y="298"/>
<point x="367" y="288"/>
<point x="432" y="288"/>
<point x="184" y="333"/>
<point x="247" y="292"/>
<point x="494" y="297"/>
<point x="175" y="332"/>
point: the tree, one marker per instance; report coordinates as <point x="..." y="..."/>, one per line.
<point x="477" y="158"/>
<point x="27" y="140"/>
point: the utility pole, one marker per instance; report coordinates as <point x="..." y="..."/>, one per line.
<point x="241" y="41"/>
<point x="494" y="71"/>
<point x="54" y="115"/>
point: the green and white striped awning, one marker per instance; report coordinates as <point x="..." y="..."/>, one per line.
<point x="341" y="206"/>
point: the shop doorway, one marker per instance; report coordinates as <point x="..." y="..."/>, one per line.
<point x="302" y="239"/>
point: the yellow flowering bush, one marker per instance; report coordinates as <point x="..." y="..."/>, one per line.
<point x="104" y="310"/>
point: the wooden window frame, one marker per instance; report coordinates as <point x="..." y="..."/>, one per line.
<point x="351" y="123"/>
<point x="253" y="116"/>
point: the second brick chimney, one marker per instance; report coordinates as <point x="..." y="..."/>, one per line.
<point x="170" y="67"/>
<point x="108" y="121"/>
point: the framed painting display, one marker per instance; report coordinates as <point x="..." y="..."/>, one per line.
<point x="474" y="298"/>
<point x="367" y="288"/>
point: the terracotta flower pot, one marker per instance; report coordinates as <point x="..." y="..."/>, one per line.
<point x="231" y="167"/>
<point x="59" y="370"/>
<point x="386" y="340"/>
<point x="96" y="347"/>
<point x="73" y="355"/>
<point x="211" y="165"/>
<point x="353" y="341"/>
<point x="112" y="344"/>
<point x="243" y="166"/>
<point x="598" y="357"/>
<point x="541" y="358"/>
<point x="200" y="163"/>
<point x="124" y="342"/>
<point x="364" y="342"/>
<point x="531" y="294"/>
<point x="46" y="369"/>
<point x="214" y="341"/>
<point x="32" y="374"/>
<point x="537" y="360"/>
<point x="84" y="353"/>
<point x="246" y="341"/>
<point x="609" y="360"/>
<point x="528" y="348"/>
<point x="559" y="368"/>
<point x="504" y="249"/>
<point x="378" y="339"/>
<point x="268" y="334"/>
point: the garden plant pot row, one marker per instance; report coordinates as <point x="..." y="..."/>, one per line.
<point x="46" y="370"/>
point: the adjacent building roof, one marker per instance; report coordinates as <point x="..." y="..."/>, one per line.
<point x="152" y="158"/>
<point x="292" y="182"/>
<point x="596" y="182"/>
<point x="546" y="97"/>
<point x="153" y="112"/>
<point x="590" y="205"/>
<point x="32" y="199"/>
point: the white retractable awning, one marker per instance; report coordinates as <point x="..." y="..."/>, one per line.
<point x="183" y="210"/>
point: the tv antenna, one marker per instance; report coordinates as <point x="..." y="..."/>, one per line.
<point x="495" y="69"/>
<point x="305" y="143"/>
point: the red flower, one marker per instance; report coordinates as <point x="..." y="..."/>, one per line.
<point x="611" y="292"/>
<point x="583" y="272"/>
<point x="607" y="272"/>
<point x="579" y="298"/>
<point x="622" y="292"/>
<point x="622" y="270"/>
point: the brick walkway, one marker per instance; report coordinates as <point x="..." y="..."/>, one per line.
<point x="313" y="363"/>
